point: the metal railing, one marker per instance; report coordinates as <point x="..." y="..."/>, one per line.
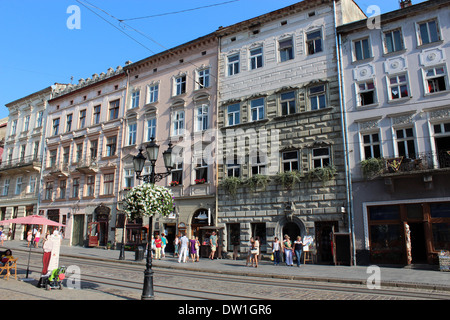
<point x="418" y="162"/>
<point x="20" y="162"/>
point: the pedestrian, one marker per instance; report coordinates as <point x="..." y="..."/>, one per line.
<point x="37" y="237"/>
<point x="184" y="241"/>
<point x="298" y="250"/>
<point x="213" y="244"/>
<point x="287" y="249"/>
<point x="163" y="245"/>
<point x="29" y="237"/>
<point x="197" y="248"/>
<point x="249" y="253"/>
<point x="1" y="237"/>
<point x="153" y="247"/>
<point x="176" y="243"/>
<point x="256" y="251"/>
<point x="276" y="251"/>
<point x="192" y="249"/>
<point x="158" y="247"/>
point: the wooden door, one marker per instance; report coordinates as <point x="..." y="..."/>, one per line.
<point x="93" y="230"/>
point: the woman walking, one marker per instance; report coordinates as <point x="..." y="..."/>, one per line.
<point x="192" y="249"/>
<point x="287" y="248"/>
<point x="298" y="249"/>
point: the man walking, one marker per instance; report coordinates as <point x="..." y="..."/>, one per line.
<point x="213" y="244"/>
<point x="184" y="241"/>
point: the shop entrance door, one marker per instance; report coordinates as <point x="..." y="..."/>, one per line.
<point x="324" y="231"/>
<point x="78" y="227"/>
<point x="418" y="248"/>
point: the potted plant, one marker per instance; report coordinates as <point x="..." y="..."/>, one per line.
<point x="148" y="200"/>
<point x="372" y="167"/>
<point x="174" y="183"/>
<point x="199" y="181"/>
<point x="323" y="174"/>
<point x="289" y="178"/>
<point x="230" y="184"/>
<point x="257" y="181"/>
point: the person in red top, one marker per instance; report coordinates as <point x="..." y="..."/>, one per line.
<point x="158" y="245"/>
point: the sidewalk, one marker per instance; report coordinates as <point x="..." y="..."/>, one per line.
<point x="406" y="277"/>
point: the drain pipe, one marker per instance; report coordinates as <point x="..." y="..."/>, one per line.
<point x="344" y="136"/>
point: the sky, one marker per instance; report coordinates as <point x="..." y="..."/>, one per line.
<point x="47" y="41"/>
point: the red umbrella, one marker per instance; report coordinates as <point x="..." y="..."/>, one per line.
<point x="33" y="219"/>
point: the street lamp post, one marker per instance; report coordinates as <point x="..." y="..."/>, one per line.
<point x="152" y="150"/>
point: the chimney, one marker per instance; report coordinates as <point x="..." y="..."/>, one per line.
<point x="405" y="3"/>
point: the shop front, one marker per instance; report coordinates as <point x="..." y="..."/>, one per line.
<point x="408" y="233"/>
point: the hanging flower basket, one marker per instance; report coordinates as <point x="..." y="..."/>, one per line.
<point x="148" y="200"/>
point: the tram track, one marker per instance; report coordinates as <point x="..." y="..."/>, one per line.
<point x="221" y="278"/>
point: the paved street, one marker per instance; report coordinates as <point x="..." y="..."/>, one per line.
<point x="170" y="275"/>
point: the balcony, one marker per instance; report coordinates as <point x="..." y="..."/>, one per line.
<point x="21" y="165"/>
<point x="87" y="166"/>
<point x="418" y="163"/>
<point x="59" y="170"/>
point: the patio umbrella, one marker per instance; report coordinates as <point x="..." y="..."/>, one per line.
<point x="33" y="220"/>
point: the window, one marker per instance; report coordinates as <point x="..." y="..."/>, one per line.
<point x="290" y="161"/>
<point x="317" y="97"/>
<point x="314" y="42"/>
<point x="287" y="101"/>
<point x="153" y="91"/>
<point x="55" y="126"/>
<point x="180" y="85"/>
<point x="82" y="118"/>
<point x="442" y="128"/>
<point x="258" y="165"/>
<point x="203" y="79"/>
<point x="286" y="50"/>
<point x="132" y="128"/>
<point x="36" y="150"/>
<point x="371" y="144"/>
<point x="49" y="190"/>
<point x="75" y="187"/>
<point x="18" y="185"/>
<point x="22" y="152"/>
<point x="111" y="143"/>
<point x="66" y="155"/>
<point x="5" y="187"/>
<point x="108" y="184"/>
<point x="69" y="123"/>
<point x="114" y="109"/>
<point x="366" y="93"/>
<point x="398" y="87"/>
<point x="79" y="153"/>
<point x="233" y="114"/>
<point x="428" y="32"/>
<point x="128" y="178"/>
<point x="93" y="150"/>
<point x="256" y="58"/>
<point x="201" y="170"/>
<point x="177" y="172"/>
<point x="62" y="189"/>
<point x="362" y="49"/>
<point x="26" y="123"/>
<point x="151" y="128"/>
<point x="97" y="114"/>
<point x="202" y="118"/>
<point x="178" y="123"/>
<point x="320" y="157"/>
<point x="90" y="186"/>
<point x="39" y="119"/>
<point x="14" y="127"/>
<point x="436" y="79"/>
<point x="405" y="143"/>
<point x="393" y="41"/>
<point x="52" y="158"/>
<point x="257" y="109"/>
<point x="233" y="64"/>
<point x="32" y="185"/>
<point x="135" y="99"/>
<point x="234" y="169"/>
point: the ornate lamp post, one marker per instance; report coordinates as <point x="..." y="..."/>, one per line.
<point x="152" y="150"/>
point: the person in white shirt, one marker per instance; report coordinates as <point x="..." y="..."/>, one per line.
<point x="184" y="241"/>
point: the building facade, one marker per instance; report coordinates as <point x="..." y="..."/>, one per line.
<point x="81" y="160"/>
<point x="396" y="100"/>
<point x="20" y="169"/>
<point x="281" y="162"/>
<point x="173" y="100"/>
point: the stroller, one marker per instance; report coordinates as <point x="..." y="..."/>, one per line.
<point x="53" y="280"/>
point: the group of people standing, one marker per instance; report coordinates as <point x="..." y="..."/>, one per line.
<point x="184" y="246"/>
<point x="289" y="249"/>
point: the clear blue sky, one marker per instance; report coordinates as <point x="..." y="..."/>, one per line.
<point x="38" y="49"/>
